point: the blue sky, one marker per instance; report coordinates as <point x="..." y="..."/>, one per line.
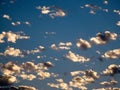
<point x="45" y="30"/>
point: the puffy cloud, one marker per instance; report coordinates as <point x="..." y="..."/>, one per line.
<point x="28" y="77"/>
<point x="84" y="78"/>
<point x="106" y="2"/>
<point x="12" y="37"/>
<point x="6" y="17"/>
<point x="83" y="44"/>
<point x="60" y="84"/>
<point x="118" y="23"/>
<point x="2" y="35"/>
<point x="103" y="38"/>
<point x="112" y="70"/>
<point x="44" y="9"/>
<point x="61" y="46"/>
<point x="112" y="54"/>
<point x="76" y="58"/>
<point x="58" y="13"/>
<point x="7" y="80"/>
<point x="12" y="52"/>
<point x="16" y="23"/>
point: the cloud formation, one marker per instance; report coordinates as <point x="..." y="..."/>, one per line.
<point x="83" y="44"/>
<point x="103" y="38"/>
<point x="76" y="58"/>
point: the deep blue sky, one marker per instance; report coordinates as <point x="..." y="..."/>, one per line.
<point x="78" y="23"/>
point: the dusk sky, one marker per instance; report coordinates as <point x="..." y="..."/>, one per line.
<point x="60" y="44"/>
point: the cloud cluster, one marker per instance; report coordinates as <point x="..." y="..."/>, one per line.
<point x="112" y="54"/>
<point x="61" y="46"/>
<point x="117" y="11"/>
<point x="27" y="70"/>
<point x="103" y="38"/>
<point x="52" y="11"/>
<point x="75" y="57"/>
<point x="93" y="8"/>
<point x="83" y="44"/>
<point x="12" y="37"/>
<point x="112" y="70"/>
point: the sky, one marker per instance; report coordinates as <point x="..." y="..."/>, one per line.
<point x="60" y="44"/>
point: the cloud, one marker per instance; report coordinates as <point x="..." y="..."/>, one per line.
<point x="44" y="9"/>
<point x="103" y="38"/>
<point x="23" y="87"/>
<point x="83" y="44"/>
<point x="109" y="83"/>
<point x="108" y="88"/>
<point x="118" y="23"/>
<point x="75" y="57"/>
<point x="11" y="51"/>
<point x="62" y="46"/>
<point x="7" y="80"/>
<point x="52" y="11"/>
<point x="112" y="54"/>
<point x="116" y="11"/>
<point x="12" y="37"/>
<point x="7" y="17"/>
<point x="112" y="70"/>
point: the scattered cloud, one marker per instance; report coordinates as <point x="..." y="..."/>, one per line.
<point x="118" y="23"/>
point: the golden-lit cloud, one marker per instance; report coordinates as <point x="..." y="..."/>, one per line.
<point x="103" y="38"/>
<point x="76" y="58"/>
<point x="83" y="44"/>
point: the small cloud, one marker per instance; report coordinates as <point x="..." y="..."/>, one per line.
<point x="75" y="57"/>
<point x="7" y="17"/>
<point x="118" y="23"/>
<point x="83" y="44"/>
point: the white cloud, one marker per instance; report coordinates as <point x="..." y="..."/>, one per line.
<point x="75" y="57"/>
<point x="6" y="17"/>
<point x="83" y="44"/>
